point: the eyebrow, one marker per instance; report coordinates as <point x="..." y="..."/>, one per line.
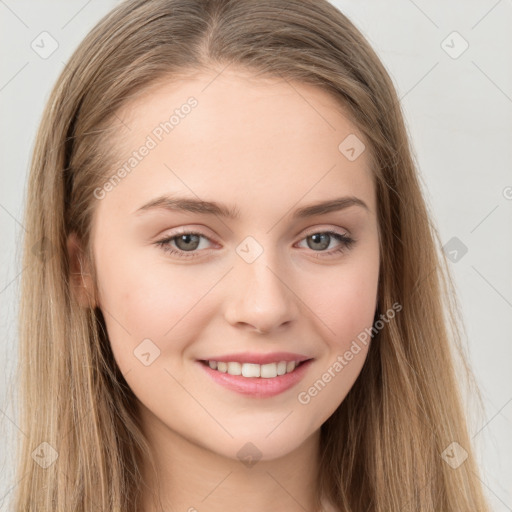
<point x="213" y="208"/>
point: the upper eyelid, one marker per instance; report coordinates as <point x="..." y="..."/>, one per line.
<point x="339" y="231"/>
<point x="308" y="232"/>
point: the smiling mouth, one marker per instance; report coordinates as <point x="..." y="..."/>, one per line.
<point x="251" y="370"/>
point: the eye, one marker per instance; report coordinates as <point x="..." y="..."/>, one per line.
<point x="321" y="240"/>
<point x="187" y="243"/>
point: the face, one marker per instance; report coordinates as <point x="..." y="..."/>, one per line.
<point x="256" y="279"/>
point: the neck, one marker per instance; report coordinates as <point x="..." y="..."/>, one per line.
<point x="190" y="477"/>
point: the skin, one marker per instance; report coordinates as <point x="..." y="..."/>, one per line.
<point x="268" y="148"/>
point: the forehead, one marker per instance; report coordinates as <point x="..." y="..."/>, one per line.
<point x="262" y="106"/>
<point x="237" y="135"/>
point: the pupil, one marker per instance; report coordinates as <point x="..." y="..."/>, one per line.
<point x="316" y="239"/>
<point x="187" y="239"/>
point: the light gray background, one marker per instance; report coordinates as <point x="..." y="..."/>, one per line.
<point x="459" y="114"/>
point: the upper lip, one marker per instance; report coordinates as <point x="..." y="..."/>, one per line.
<point x="255" y="358"/>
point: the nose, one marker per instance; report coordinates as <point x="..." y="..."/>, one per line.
<point x="261" y="298"/>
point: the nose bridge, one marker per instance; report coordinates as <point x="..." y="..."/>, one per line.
<point x="260" y="296"/>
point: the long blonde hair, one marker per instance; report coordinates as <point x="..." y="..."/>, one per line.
<point x="382" y="449"/>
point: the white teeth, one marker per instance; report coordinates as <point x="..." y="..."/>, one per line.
<point x="234" y="368"/>
<point x="269" y="370"/>
<point x="251" y="370"/>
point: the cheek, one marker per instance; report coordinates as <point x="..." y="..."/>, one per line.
<point x="348" y="302"/>
<point x="142" y="303"/>
<point x="348" y="311"/>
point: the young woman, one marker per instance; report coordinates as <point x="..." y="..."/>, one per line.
<point x="238" y="299"/>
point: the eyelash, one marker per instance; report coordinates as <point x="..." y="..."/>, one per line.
<point x="346" y="244"/>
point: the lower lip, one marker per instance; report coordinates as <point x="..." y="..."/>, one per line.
<point x="258" y="387"/>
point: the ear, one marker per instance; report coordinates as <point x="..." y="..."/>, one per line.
<point x="82" y="286"/>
